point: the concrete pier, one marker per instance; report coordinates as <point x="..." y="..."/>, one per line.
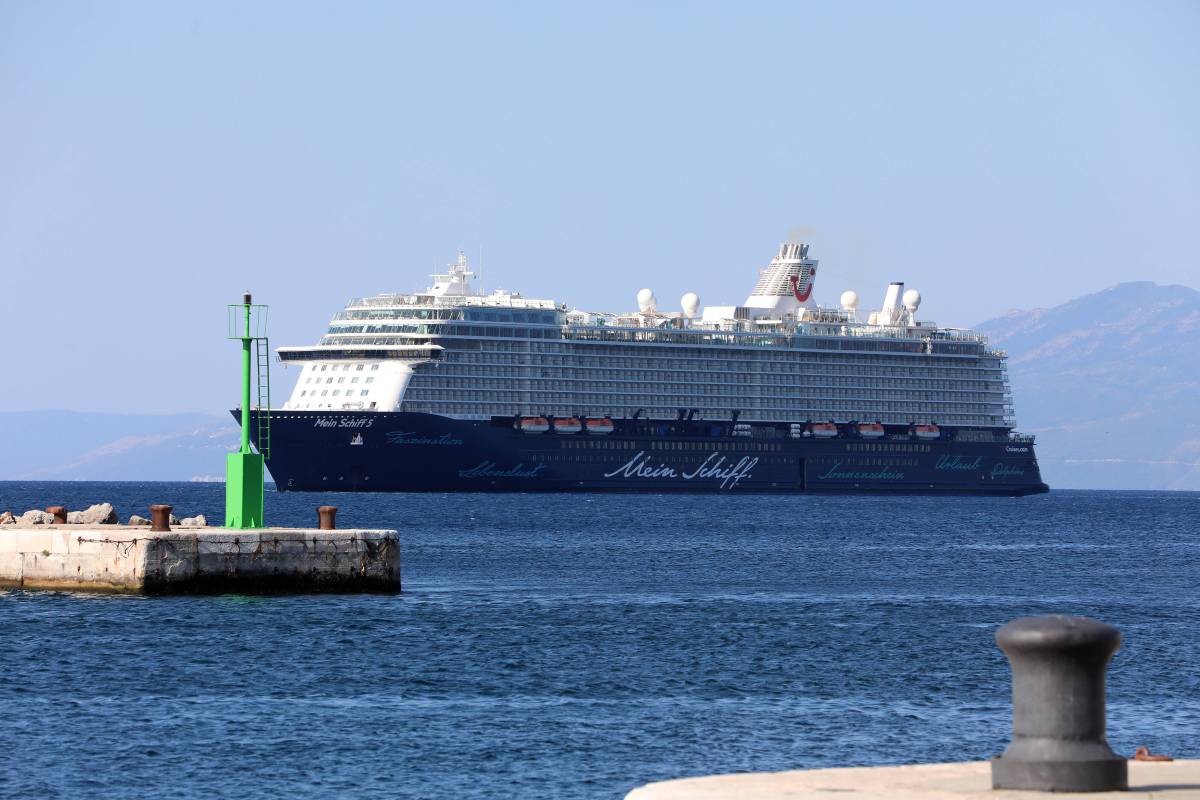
<point x="1059" y="745"/>
<point x="136" y="560"/>
<point x="1174" y="780"/>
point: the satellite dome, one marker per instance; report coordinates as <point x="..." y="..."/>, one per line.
<point x="849" y="300"/>
<point x="690" y="303"/>
<point x="912" y="299"/>
<point x="646" y="301"/>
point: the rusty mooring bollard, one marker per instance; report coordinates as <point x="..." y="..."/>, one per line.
<point x="60" y="514"/>
<point x="325" y="517"/>
<point x="1058" y="672"/>
<point x="160" y="518"/>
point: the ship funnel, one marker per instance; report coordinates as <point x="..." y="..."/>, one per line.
<point x="786" y="284"/>
<point x="890" y="312"/>
<point x="792" y="251"/>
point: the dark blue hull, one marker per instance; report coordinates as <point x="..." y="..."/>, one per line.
<point x="403" y="452"/>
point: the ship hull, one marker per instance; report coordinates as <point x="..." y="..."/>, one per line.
<point x="408" y="452"/>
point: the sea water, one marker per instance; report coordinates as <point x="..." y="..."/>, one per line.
<point x="575" y="646"/>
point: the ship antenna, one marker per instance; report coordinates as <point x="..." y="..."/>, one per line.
<point x="479" y="272"/>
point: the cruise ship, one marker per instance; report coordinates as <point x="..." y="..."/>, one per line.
<point x="456" y="389"/>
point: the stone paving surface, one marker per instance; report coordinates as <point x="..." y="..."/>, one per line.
<point x="1174" y="780"/>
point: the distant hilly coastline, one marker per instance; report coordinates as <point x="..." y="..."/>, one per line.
<point x="1109" y="382"/>
<point x="86" y="446"/>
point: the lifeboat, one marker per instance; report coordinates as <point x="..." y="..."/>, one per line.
<point x="533" y="424"/>
<point x="567" y="425"/>
<point x="823" y="430"/>
<point x="601" y="426"/>
<point x="870" y="430"/>
<point x="928" y="431"/>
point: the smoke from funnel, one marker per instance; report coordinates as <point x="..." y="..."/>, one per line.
<point x="802" y="233"/>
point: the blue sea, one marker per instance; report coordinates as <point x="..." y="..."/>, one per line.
<point x="576" y="646"/>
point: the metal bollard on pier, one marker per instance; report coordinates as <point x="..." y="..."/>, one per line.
<point x="160" y="518"/>
<point x="59" y="513"/>
<point x="326" y="518"/>
<point x="1059" y="664"/>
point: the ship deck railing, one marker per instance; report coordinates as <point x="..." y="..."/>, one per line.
<point x="499" y="301"/>
<point x="800" y="339"/>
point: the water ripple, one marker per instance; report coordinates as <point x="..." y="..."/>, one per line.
<point x="576" y="646"/>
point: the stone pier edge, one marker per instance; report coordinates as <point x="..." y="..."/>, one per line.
<point x="135" y="560"/>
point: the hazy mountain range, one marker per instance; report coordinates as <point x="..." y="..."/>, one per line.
<point x="1109" y="382"/>
<point x="72" y="445"/>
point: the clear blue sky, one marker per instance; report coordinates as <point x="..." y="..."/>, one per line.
<point x="157" y="158"/>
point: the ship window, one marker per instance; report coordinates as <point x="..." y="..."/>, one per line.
<point x="336" y="392"/>
<point x="323" y="366"/>
<point x="363" y="393"/>
<point x="374" y="367"/>
<point x="359" y="367"/>
<point x="324" y="392"/>
<point x="370" y="380"/>
<point x="354" y="380"/>
<point x="302" y="393"/>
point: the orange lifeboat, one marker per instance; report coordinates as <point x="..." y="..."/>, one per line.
<point x="928" y="431"/>
<point x="533" y="424"/>
<point x="567" y="425"/>
<point x="823" y="430"/>
<point x="601" y="426"/>
<point x="870" y="430"/>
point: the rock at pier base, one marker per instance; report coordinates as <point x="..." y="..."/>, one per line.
<point x="200" y="561"/>
<point x="98" y="514"/>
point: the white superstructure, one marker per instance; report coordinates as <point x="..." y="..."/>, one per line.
<point x="454" y="351"/>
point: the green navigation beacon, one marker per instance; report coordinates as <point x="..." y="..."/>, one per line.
<point x="244" y="469"/>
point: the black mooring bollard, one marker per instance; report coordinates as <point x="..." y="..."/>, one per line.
<point x="1058" y="672"/>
